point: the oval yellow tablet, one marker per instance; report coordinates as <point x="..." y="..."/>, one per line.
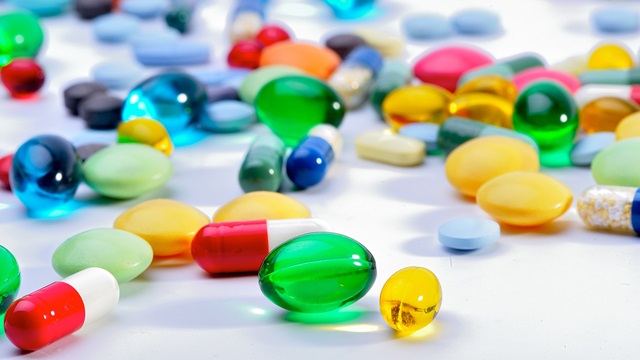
<point x="479" y="160"/>
<point x="610" y="56"/>
<point x="146" y="131"/>
<point x="524" y="198"/>
<point x="167" y="225"/>
<point x="258" y="205"/>
<point x="629" y="127"/>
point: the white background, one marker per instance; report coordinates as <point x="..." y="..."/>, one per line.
<point x="555" y="292"/>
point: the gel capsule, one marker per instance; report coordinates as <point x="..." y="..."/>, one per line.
<point x="604" y="114"/>
<point x="317" y="272"/>
<point x="410" y="299"/>
<point x="241" y="246"/>
<point x="261" y="169"/>
<point x="146" y="131"/>
<point x="588" y="93"/>
<point x="611" y="208"/>
<point x="506" y="68"/>
<point x="60" y="309"/>
<point x="486" y="108"/>
<point x="310" y="161"/>
<point x="9" y="280"/>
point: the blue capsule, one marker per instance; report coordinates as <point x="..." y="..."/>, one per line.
<point x="309" y="162"/>
<point x="45" y="172"/>
<point x="177" y="100"/>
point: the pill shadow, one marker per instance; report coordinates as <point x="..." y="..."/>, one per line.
<point x="552" y="228"/>
<point x="429" y="246"/>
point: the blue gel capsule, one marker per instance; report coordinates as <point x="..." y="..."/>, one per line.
<point x="350" y="9"/>
<point x="309" y="162"/>
<point x="177" y="100"/>
<point x="45" y="172"/>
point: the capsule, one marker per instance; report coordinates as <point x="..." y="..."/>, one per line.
<point x="456" y="131"/>
<point x="589" y="93"/>
<point x="354" y="77"/>
<point x="261" y="169"/>
<point x="241" y="246"/>
<point x="393" y="75"/>
<point x="611" y="77"/>
<point x="506" y="68"/>
<point x="309" y="162"/>
<point x="482" y="107"/>
<point x="60" y="309"/>
<point x="246" y="20"/>
<point x="611" y="208"/>
<point x="9" y="280"/>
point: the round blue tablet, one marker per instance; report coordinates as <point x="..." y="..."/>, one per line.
<point x="425" y="132"/>
<point x="615" y="20"/>
<point x="589" y="146"/>
<point x="228" y="116"/>
<point x="175" y="53"/>
<point x="116" y="75"/>
<point x="426" y="27"/>
<point x="476" y="22"/>
<point x="115" y="28"/>
<point x="468" y="233"/>
<point x="43" y="7"/>
<point x="145" y="9"/>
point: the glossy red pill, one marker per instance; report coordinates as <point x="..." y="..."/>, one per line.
<point x="245" y="54"/>
<point x="5" y="166"/>
<point x="271" y="34"/>
<point x="22" y="77"/>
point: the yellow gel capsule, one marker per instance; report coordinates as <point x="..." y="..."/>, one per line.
<point x="410" y="299"/>
<point x="477" y="161"/>
<point x="485" y="108"/>
<point x="604" y="114"/>
<point x="146" y="131"/>
<point x="419" y="103"/>
<point x="167" y="225"/>
<point x="610" y="56"/>
<point x="629" y="127"/>
<point x="490" y="84"/>
<point x="258" y="205"/>
<point x="524" y="198"/>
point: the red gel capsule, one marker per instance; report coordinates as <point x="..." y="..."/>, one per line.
<point x="22" y="77"/>
<point x="271" y="34"/>
<point x="245" y="54"/>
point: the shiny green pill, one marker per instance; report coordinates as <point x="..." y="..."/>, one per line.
<point x="9" y="281"/>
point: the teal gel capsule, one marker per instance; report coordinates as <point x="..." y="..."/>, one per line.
<point x="611" y="77"/>
<point x="456" y="131"/>
<point x="261" y="169"/>
<point x="506" y="68"/>
<point x="9" y="281"/>
<point x="317" y="272"/>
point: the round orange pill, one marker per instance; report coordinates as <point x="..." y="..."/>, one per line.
<point x="312" y="59"/>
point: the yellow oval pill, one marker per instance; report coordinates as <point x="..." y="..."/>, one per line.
<point x="490" y="84"/>
<point x="610" y="56"/>
<point x="258" y="205"/>
<point x="479" y="160"/>
<point x="419" y="103"/>
<point x="167" y="225"/>
<point x="485" y="108"/>
<point x="629" y="127"/>
<point x="145" y="131"/>
<point x="524" y="198"/>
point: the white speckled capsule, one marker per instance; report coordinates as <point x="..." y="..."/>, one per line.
<point x="610" y="208"/>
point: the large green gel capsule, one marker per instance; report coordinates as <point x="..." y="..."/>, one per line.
<point x="290" y="106"/>
<point x="9" y="281"/>
<point x="317" y="272"/>
<point x="20" y="36"/>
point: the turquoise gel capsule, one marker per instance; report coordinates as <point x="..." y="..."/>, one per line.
<point x="261" y="169"/>
<point x="9" y="281"/>
<point x="317" y="272"/>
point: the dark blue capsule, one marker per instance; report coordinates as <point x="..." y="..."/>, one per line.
<point x="309" y="161"/>
<point x="45" y="172"/>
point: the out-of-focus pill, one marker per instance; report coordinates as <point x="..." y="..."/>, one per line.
<point x="586" y="149"/>
<point x="615" y="20"/>
<point x="476" y="22"/>
<point x="426" y="26"/>
<point x="427" y="133"/>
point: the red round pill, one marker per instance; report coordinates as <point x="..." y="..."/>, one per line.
<point x="245" y="54"/>
<point x="22" y="77"/>
<point x="271" y="34"/>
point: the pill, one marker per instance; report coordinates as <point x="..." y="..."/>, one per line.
<point x="317" y="272"/>
<point x="116" y="75"/>
<point x="75" y="94"/>
<point x="445" y="66"/>
<point x="144" y="9"/>
<point x="153" y="37"/>
<point x="45" y="173"/>
<point x="524" y="198"/>
<point x="393" y="75"/>
<point x="145" y="131"/>
<point x="5" y="167"/>
<point x="121" y="253"/>
<point x="604" y="114"/>
<point x="343" y="43"/>
<point x="271" y="34"/>
<point x="416" y="103"/>
<point x="245" y="54"/>
<point x="610" y="208"/>
<point x="175" y="53"/>
<point x="614" y="20"/>
<point x="91" y="9"/>
<point x="115" y="28"/>
<point x="629" y="127"/>
<point x="167" y="225"/>
<point x="228" y="116"/>
<point x="468" y="233"/>
<point x="225" y="77"/>
<point x="61" y="308"/>
<point x="390" y="148"/>
<point x="387" y="43"/>
<point x="350" y="9"/>
<point x="245" y="20"/>
<point x="611" y="165"/>
<point x="237" y="247"/>
<point x="410" y="299"/>
<point x="312" y="59"/>
<point x="85" y="151"/>
<point x="221" y="93"/>
<point x="22" y="78"/>
<point x="427" y="27"/>
<point x="9" y="280"/>
<point x="21" y="36"/>
<point x="490" y="84"/>
<point x="611" y="77"/>
<point x="258" y="205"/>
<point x="507" y="67"/>
<point x="609" y="56"/>
<point x="281" y="100"/>
<point x="261" y="169"/>
<point x="253" y="82"/>
<point x="476" y="22"/>
<point x="574" y="65"/>
<point x="588" y="93"/>
<point x="43" y="8"/>
<point x="526" y="77"/>
<point x="309" y="162"/>
<point x="353" y="79"/>
<point x="427" y="133"/>
<point x="586" y="149"/>
<point x="179" y="16"/>
<point x="101" y="111"/>
<point x="482" y="107"/>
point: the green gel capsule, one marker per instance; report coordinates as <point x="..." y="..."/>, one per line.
<point x="262" y="166"/>
<point x="20" y="36"/>
<point x="9" y="281"/>
<point x="290" y="106"/>
<point x="546" y="112"/>
<point x="317" y="272"/>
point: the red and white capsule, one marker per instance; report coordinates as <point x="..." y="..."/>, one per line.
<point x="60" y="309"/>
<point x="240" y="247"/>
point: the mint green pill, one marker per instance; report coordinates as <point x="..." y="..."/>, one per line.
<point x="317" y="272"/>
<point x="123" y="254"/>
<point x="614" y="164"/>
<point x="125" y="171"/>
